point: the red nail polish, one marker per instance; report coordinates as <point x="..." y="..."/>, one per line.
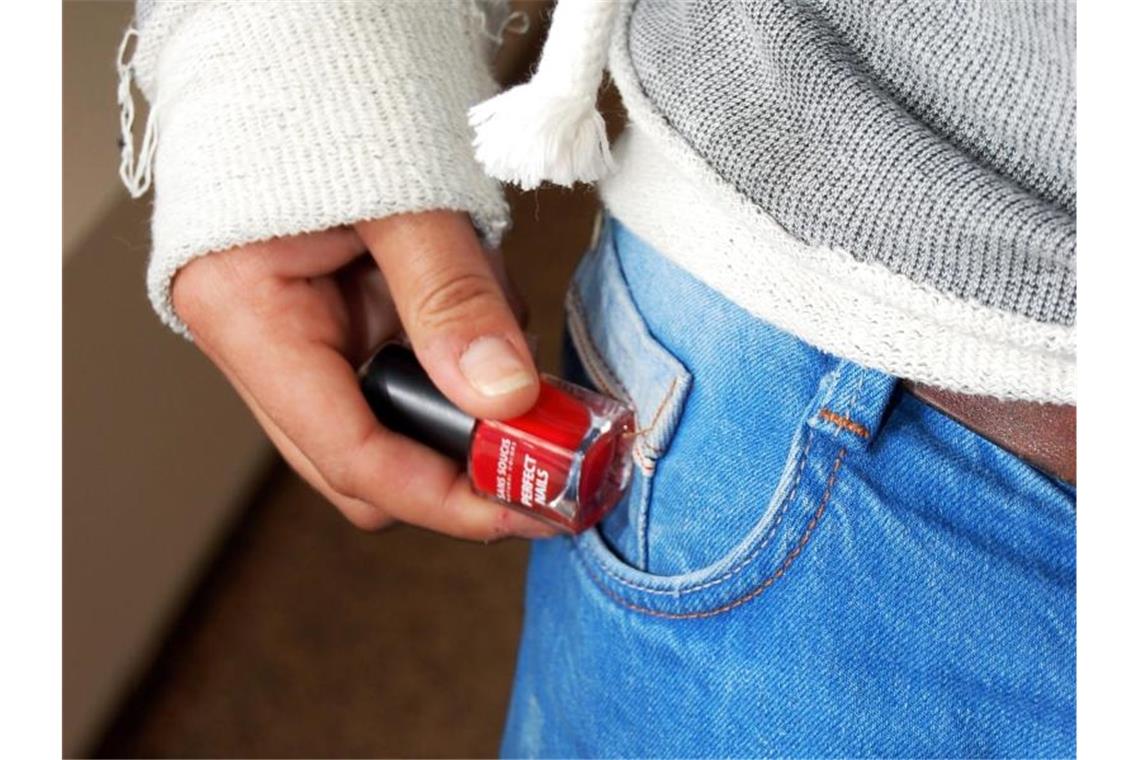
<point x="566" y="461"/>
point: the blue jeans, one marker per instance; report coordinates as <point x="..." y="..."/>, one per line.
<point x="810" y="562"/>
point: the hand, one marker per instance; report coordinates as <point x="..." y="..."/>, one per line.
<point x="289" y="320"/>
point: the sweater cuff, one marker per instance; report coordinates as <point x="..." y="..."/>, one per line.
<point x="276" y="119"/>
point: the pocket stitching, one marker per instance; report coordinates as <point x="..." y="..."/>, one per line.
<point x="744" y="562"/>
<point x="576" y="312"/>
<point x="765" y="584"/>
<point x="658" y="450"/>
<point x="599" y="372"/>
<point x="645" y="453"/>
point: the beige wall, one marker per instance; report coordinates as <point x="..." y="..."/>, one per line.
<point x="158" y="452"/>
<point x="91" y="32"/>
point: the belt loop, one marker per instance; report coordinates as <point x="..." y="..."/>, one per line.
<point x="851" y="404"/>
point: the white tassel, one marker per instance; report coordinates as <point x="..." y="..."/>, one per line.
<point x="526" y="136"/>
<point x="550" y="128"/>
<point x="136" y="175"/>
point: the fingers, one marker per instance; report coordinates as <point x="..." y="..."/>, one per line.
<point x="454" y="311"/>
<point x="514" y="300"/>
<point x="306" y="395"/>
<point x="310" y="255"/>
<point x="285" y="340"/>
<point x="321" y="408"/>
<point x="359" y="513"/>
<point x="372" y="317"/>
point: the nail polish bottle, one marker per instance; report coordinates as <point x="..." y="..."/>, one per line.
<point x="566" y="461"/>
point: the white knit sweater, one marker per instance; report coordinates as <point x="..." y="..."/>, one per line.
<point x="279" y="118"/>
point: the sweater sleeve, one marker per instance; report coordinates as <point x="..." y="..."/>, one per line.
<point x="276" y="119"/>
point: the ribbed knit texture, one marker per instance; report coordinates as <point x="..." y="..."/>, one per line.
<point x="933" y="137"/>
<point x="281" y="118"/>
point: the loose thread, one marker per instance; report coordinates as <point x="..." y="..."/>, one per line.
<point x="136" y="175"/>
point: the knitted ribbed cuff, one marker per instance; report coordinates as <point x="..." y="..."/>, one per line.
<point x="281" y="118"/>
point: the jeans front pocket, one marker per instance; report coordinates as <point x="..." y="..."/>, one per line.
<point x="808" y="564"/>
<point x="732" y="472"/>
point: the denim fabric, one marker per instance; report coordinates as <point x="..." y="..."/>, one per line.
<point x="810" y="562"/>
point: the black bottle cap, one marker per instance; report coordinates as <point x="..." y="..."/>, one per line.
<point x="404" y="399"/>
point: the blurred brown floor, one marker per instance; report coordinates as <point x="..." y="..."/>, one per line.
<point x="309" y="638"/>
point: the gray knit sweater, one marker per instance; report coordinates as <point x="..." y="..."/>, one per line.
<point x="936" y="137"/>
<point x="890" y="180"/>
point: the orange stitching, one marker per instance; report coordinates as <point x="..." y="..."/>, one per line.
<point x="764" y="585"/>
<point x="844" y="422"/>
<point x="578" y="310"/>
<point x="656" y="419"/>
<point x="594" y="360"/>
<point x="649" y="466"/>
<point x="603" y="369"/>
<point x="601" y="375"/>
<point x="593" y="364"/>
<point x="785" y="503"/>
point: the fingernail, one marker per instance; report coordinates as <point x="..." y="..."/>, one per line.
<point x="536" y="529"/>
<point x="493" y="367"/>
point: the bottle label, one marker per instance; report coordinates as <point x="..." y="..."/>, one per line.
<point x="535" y="481"/>
<point x="566" y="460"/>
<point x="503" y="468"/>
<point x="522" y="474"/>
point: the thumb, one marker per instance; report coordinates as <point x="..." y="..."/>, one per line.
<point x="454" y="311"/>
